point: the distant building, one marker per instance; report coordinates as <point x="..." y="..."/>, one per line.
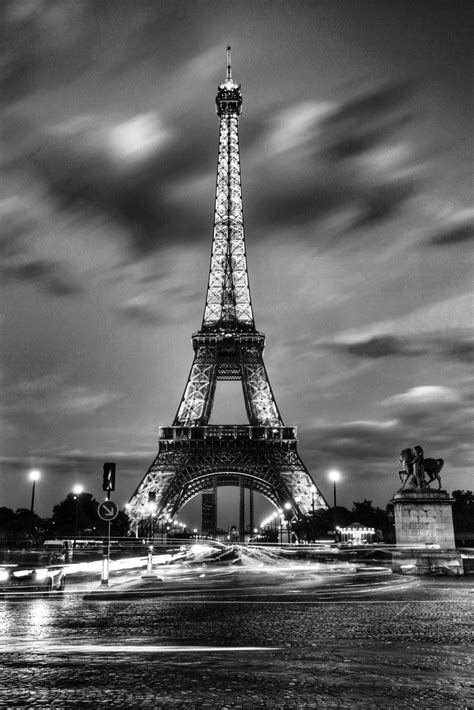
<point x="209" y="522"/>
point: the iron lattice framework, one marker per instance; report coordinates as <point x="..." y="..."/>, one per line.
<point x="192" y="455"/>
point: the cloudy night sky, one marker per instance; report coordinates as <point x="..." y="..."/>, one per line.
<point x="356" y="152"/>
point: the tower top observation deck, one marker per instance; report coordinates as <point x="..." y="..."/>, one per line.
<point x="229" y="96"/>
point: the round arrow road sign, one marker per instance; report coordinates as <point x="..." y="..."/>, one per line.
<point x="108" y="510"/>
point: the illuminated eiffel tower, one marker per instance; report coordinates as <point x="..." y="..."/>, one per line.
<point x="194" y="456"/>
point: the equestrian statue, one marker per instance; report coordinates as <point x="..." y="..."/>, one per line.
<point x="419" y="472"/>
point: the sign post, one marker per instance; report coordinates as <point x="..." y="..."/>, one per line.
<point x="152" y="509"/>
<point x="108" y="511"/>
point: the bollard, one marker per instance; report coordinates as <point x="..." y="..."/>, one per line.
<point x="104" y="581"/>
<point x="149" y="574"/>
<point x="105" y="571"/>
<point x="149" y="568"/>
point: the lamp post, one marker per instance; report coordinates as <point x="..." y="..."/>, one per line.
<point x="273" y="522"/>
<point x="312" y="527"/>
<point x="151" y="505"/>
<point x="287" y="507"/>
<point x="77" y="490"/>
<point x="276" y="524"/>
<point x="334" y="476"/>
<point x="313" y="493"/>
<point x="279" y="525"/>
<point x="34" y="476"/>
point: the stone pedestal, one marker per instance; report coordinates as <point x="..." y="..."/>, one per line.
<point x="425" y="533"/>
<point x="423" y="516"/>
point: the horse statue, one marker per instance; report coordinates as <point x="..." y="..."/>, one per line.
<point x="418" y="470"/>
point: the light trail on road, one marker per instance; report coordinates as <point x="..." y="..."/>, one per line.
<point x="41" y="647"/>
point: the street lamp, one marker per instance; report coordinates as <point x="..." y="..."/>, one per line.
<point x="287" y="507"/>
<point x="77" y="490"/>
<point x="312" y="528"/>
<point x="313" y="493"/>
<point x="34" y="476"/>
<point x="334" y="476"/>
<point x="151" y="505"/>
<point x="274" y="523"/>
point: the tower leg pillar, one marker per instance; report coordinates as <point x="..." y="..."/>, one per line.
<point x="214" y="490"/>
<point x="251" y="509"/>
<point x="242" y="509"/>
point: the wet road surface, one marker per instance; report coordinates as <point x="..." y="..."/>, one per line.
<point x="288" y="637"/>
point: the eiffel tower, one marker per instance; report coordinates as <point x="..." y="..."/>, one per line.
<point x="194" y="456"/>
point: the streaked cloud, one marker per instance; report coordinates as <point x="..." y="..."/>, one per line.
<point x="447" y="346"/>
<point x="89" y="161"/>
<point x="51" y="276"/>
<point x="354" y="156"/>
<point x="141" y="310"/>
<point x="426" y="396"/>
<point x="453" y="316"/>
<point x="55" y="396"/>
<point x="458" y="231"/>
<point x="297" y="129"/>
<point x="81" y="399"/>
<point x="41" y="36"/>
<point x="17" y="223"/>
<point x="367" y="451"/>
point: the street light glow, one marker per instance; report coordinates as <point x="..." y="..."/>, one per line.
<point x="77" y="490"/>
<point x="334" y="476"/>
<point x="34" y="475"/>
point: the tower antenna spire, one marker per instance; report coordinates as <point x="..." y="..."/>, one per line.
<point x="229" y="63"/>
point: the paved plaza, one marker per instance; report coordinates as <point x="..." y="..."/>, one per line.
<point x="397" y="643"/>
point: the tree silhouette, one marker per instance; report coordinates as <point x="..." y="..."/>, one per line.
<point x="313" y="527"/>
<point x="364" y="513"/>
<point x="85" y="506"/>
<point x="21" y="525"/>
<point x="463" y="517"/>
<point x="81" y="507"/>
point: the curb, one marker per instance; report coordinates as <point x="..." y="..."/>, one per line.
<point x="114" y="596"/>
<point x="105" y="593"/>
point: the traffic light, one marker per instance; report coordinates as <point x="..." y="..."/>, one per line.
<point x="108" y="480"/>
<point x="152" y="497"/>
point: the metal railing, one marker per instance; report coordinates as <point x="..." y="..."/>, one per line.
<point x="180" y="433"/>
